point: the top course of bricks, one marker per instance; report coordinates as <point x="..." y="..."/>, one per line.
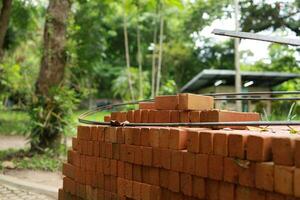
<point x="181" y="108"/>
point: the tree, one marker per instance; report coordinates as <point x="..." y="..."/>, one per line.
<point x="50" y="78"/>
<point x="4" y="20"/>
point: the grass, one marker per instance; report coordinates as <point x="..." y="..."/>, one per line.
<point x="13" y="122"/>
<point x="23" y="159"/>
<point x="16" y="122"/>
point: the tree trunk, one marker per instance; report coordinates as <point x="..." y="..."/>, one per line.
<point x="153" y="82"/>
<point x="161" y="35"/>
<point x="139" y="54"/>
<point x="4" y="21"/>
<point x="52" y="69"/>
<point x="127" y="51"/>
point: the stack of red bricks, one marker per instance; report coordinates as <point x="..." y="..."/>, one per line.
<point x="152" y="163"/>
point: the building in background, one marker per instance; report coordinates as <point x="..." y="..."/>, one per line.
<point x="222" y="81"/>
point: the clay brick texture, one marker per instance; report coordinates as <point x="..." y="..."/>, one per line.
<point x="154" y="162"/>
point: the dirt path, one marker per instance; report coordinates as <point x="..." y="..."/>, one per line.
<point x="15" y="142"/>
<point x="53" y="179"/>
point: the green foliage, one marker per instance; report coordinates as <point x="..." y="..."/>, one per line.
<point x="23" y="159"/>
<point x="49" y="116"/>
<point x="120" y="84"/>
<point x="13" y="122"/>
<point x="169" y="87"/>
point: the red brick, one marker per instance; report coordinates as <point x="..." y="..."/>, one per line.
<point x="99" y="165"/>
<point x="247" y="175"/>
<point x="107" y="183"/>
<point x="212" y="188"/>
<point x="69" y="185"/>
<point x="283" y="179"/>
<point x="121" y="135"/>
<point x="88" y="178"/>
<point x="164" y="136"/>
<point x="113" y="184"/>
<point x="128" y="189"/>
<point x="198" y="187"/>
<point x="283" y="150"/>
<point x="144" y="116"/>
<point x="113" y="115"/>
<point x="215" y="167"/>
<point x="102" y="150"/>
<point x="228" y="116"/>
<point x="154" y="137"/>
<point x="84" y="132"/>
<point x="137" y="116"/>
<point x="130" y="149"/>
<point x="75" y="143"/>
<point x="147" y="105"/>
<point x="84" y="147"/>
<point x="184" y="116"/>
<point x="227" y="191"/>
<point x="189" y="161"/>
<point x="195" y="116"/>
<point x="186" y="184"/>
<point x="136" y="190"/>
<point x="123" y="152"/>
<point x="106" y="166"/>
<point x="155" y="193"/>
<point x="176" y="196"/>
<point x="128" y="171"/>
<point x="243" y="193"/>
<point x="116" y="151"/>
<point x="178" y="139"/>
<point x="114" y="167"/>
<point x="108" y="150"/>
<point x="91" y="163"/>
<point x="174" y="181"/>
<point x="177" y="160"/>
<point x="206" y="142"/>
<point x="264" y="176"/>
<point x="162" y="116"/>
<point x="259" y="147"/>
<point x="121" y="186"/>
<point x="174" y="116"/>
<point x="100" y="181"/>
<point x="106" y="134"/>
<point x="145" y="137"/>
<point x="137" y="173"/>
<point x="153" y="176"/>
<point x="130" y="116"/>
<point x="274" y="196"/>
<point x="121" y="169"/>
<point x="297" y="182"/>
<point x="90" y="150"/>
<point x="101" y="133"/>
<point x="113" y="134"/>
<point x="237" y="145"/>
<point x="145" y="174"/>
<point x="257" y="194"/>
<point x="165" y="158"/>
<point x="128" y="133"/>
<point x="151" y="116"/>
<point x="145" y="191"/>
<point x="96" y="148"/>
<point x="147" y="156"/>
<point x="220" y="143"/>
<point x="195" y="102"/>
<point x="156" y="157"/>
<point x="231" y="171"/>
<point x="82" y="162"/>
<point x="201" y="165"/>
<point x="166" y="102"/>
<point x="69" y="170"/>
<point x="164" y="178"/>
<point x="121" y="116"/>
<point x="136" y="136"/>
<point x="297" y="152"/>
<point x="193" y="141"/>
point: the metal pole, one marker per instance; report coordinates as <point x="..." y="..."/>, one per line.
<point x="238" y="79"/>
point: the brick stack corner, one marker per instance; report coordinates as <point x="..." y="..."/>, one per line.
<point x="178" y="163"/>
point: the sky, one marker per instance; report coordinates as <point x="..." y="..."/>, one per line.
<point x="258" y="48"/>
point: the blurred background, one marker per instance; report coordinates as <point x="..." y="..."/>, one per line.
<point x="61" y="58"/>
